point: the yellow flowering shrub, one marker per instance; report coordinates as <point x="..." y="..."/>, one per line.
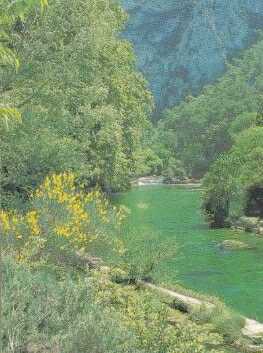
<point x="62" y="217"/>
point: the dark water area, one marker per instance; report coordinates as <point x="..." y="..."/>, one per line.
<point x="171" y="216"/>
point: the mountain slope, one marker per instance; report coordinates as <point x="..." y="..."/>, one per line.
<point x="183" y="45"/>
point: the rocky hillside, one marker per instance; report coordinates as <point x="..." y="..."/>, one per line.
<point x="184" y="44"/>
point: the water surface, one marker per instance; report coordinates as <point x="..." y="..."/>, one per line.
<point x="172" y="216"/>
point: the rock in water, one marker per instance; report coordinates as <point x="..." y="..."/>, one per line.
<point x="234" y="245"/>
<point x="184" y="44"/>
<point x="250" y="224"/>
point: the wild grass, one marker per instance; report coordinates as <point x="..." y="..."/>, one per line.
<point x="225" y="321"/>
<point x="50" y="311"/>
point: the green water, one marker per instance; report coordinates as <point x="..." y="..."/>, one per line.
<point x="172" y="215"/>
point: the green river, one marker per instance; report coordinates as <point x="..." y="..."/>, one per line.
<point x="171" y="215"/>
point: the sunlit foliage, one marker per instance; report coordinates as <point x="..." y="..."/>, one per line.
<point x="62" y="217"/>
<point x="11" y="12"/>
<point x="88" y="313"/>
<point x="234" y="174"/>
<point x="83" y="103"/>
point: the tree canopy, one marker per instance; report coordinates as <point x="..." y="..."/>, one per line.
<point x="203" y="126"/>
<point x="83" y="103"/>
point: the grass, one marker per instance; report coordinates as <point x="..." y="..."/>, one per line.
<point x="225" y="321"/>
<point x="53" y="311"/>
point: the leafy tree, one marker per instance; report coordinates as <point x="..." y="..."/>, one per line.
<point x="11" y="14"/>
<point x="83" y="103"/>
<point x="157" y="155"/>
<point x="203" y="125"/>
<point x="232" y="176"/>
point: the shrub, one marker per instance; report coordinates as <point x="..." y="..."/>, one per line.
<point x="232" y="176"/>
<point x="142" y="255"/>
<point x="225" y="321"/>
<point x="62" y="219"/>
<point x="148" y="319"/>
<point x="46" y="313"/>
<point x="42" y="314"/>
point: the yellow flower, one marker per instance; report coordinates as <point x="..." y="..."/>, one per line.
<point x="63" y="231"/>
<point x="32" y="220"/>
<point x="66" y="211"/>
<point x="5" y="221"/>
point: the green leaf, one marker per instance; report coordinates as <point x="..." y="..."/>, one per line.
<point x="8" y="114"/>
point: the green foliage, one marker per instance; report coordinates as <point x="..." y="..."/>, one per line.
<point x="11" y="13"/>
<point x="7" y="57"/>
<point x="226" y="322"/>
<point x="42" y="313"/>
<point x="62" y="219"/>
<point x="29" y="152"/>
<point x="232" y="175"/>
<point x="157" y="155"/>
<point x="203" y="126"/>
<point x="45" y="311"/>
<point x="148" y="162"/>
<point x="174" y="170"/>
<point x="8" y="114"/>
<point x="83" y="104"/>
<point x="141" y="257"/>
<point x="242" y="122"/>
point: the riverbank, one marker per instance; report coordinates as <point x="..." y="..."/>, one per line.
<point x="248" y="224"/>
<point x="85" y="311"/>
<point x="160" y="180"/>
<point x="170" y="217"/>
<point x="251" y="329"/>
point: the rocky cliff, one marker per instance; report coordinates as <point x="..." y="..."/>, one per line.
<point x="184" y="44"/>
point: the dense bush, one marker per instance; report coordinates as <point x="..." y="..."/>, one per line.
<point x="45" y="313"/>
<point x="10" y="12"/>
<point x="233" y="175"/>
<point x="228" y="323"/>
<point x="62" y="219"/>
<point x="42" y="314"/>
<point x="158" y="154"/>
